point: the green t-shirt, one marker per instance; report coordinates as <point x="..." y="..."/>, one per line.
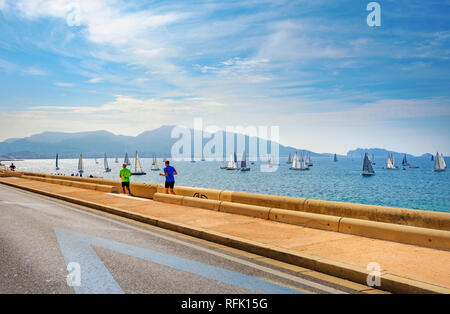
<point x="125" y="173"/>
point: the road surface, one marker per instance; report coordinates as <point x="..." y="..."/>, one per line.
<point x="49" y="246"/>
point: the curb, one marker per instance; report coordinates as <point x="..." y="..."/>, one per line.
<point x="430" y="238"/>
<point x="389" y="282"/>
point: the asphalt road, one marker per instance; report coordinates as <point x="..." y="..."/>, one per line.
<point x="43" y="242"/>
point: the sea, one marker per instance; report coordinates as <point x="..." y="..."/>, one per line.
<point x="419" y="188"/>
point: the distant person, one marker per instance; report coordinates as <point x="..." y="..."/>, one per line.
<point x="169" y="173"/>
<point x="125" y="175"/>
<point x="12" y="167"/>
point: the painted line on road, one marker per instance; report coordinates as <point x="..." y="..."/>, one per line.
<point x="130" y="197"/>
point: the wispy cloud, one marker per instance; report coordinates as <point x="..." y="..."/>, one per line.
<point x="63" y="84"/>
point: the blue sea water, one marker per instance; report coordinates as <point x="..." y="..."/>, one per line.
<point x="341" y="181"/>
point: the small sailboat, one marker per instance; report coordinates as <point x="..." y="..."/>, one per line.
<point x="96" y="161"/>
<point x="155" y="164"/>
<point x="289" y="161"/>
<point x="126" y="161"/>
<point x="232" y="165"/>
<point x="373" y="160"/>
<point x="117" y="160"/>
<point x="244" y="163"/>
<point x="105" y="163"/>
<point x="80" y="164"/>
<point x="432" y="158"/>
<point x="57" y="162"/>
<point x="138" y="167"/>
<point x="439" y="163"/>
<point x="223" y="165"/>
<point x="335" y="158"/>
<point x="390" y="162"/>
<point x="308" y="160"/>
<point x="367" y="167"/>
<point x="405" y="161"/>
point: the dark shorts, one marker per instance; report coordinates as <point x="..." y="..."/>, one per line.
<point x="170" y="185"/>
<point x="126" y="184"/>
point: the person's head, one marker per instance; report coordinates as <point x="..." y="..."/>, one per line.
<point x="124" y="166"/>
<point x="167" y="163"/>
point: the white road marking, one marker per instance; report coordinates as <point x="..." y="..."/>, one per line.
<point x="130" y="197"/>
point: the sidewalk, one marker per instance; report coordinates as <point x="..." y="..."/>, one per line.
<point x="426" y="265"/>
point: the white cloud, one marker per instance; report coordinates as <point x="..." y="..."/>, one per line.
<point x="63" y="84"/>
<point x="95" y="80"/>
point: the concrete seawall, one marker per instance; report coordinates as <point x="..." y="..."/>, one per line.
<point x="393" y="215"/>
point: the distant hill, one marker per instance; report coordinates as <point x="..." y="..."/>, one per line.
<point x="381" y="153"/>
<point x="94" y="144"/>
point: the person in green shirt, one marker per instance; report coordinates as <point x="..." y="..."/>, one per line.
<point x="125" y="175"/>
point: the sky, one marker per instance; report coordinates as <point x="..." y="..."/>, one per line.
<point x="312" y="67"/>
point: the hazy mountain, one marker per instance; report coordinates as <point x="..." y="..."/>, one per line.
<point x="380" y="153"/>
<point x="94" y="144"/>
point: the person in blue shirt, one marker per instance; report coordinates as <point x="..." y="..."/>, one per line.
<point x="169" y="173"/>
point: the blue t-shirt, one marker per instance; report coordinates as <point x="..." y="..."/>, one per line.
<point x="169" y="170"/>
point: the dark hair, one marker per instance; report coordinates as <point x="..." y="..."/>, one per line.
<point x="167" y="162"/>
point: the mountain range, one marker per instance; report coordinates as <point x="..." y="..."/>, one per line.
<point x="149" y="143"/>
<point x="94" y="144"/>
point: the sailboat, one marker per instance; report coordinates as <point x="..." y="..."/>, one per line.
<point x="155" y="164"/>
<point x="244" y="163"/>
<point x="367" y="167"/>
<point x="390" y="162"/>
<point x="308" y="160"/>
<point x="96" y="161"/>
<point x="223" y="165"/>
<point x="298" y="164"/>
<point x="432" y="158"/>
<point x="289" y="161"/>
<point x="335" y="158"/>
<point x="137" y="166"/>
<point x="439" y="163"/>
<point x="405" y="161"/>
<point x="373" y="160"/>
<point x="105" y="162"/>
<point x="80" y="164"/>
<point x="126" y="161"/>
<point x="57" y="162"/>
<point x="232" y="165"/>
<point x="117" y="160"/>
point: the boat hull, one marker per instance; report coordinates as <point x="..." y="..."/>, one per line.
<point x="298" y="169"/>
<point x="245" y="169"/>
<point x="438" y="170"/>
<point x="367" y="174"/>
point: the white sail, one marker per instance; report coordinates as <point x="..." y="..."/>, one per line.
<point x="442" y="162"/>
<point x="80" y="164"/>
<point x="439" y="162"/>
<point x="105" y="162"/>
<point x="289" y="159"/>
<point x="155" y="163"/>
<point x="137" y="164"/>
<point x="389" y="164"/>
<point x="296" y="163"/>
<point x="231" y="163"/>
<point x="308" y="158"/>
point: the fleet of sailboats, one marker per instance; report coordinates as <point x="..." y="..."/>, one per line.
<point x="299" y="164"/>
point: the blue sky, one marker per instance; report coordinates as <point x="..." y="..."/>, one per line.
<point x="314" y="68"/>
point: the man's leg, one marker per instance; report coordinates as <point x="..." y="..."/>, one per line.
<point x="172" y="192"/>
